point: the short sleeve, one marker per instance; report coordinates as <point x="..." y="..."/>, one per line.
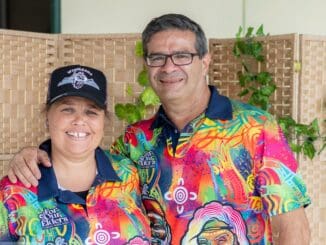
<point x="282" y="189"/>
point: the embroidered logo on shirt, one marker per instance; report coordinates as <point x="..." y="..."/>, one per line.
<point x="102" y="236"/>
<point x="180" y="196"/>
<point x="52" y="217"/>
<point x="147" y="160"/>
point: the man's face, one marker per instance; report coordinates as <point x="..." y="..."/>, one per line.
<point x="172" y="82"/>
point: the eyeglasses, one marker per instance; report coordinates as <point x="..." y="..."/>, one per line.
<point x="179" y="59"/>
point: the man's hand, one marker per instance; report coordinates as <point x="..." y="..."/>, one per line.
<point x="24" y="166"/>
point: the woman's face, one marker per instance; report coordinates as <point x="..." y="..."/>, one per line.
<point x="76" y="126"/>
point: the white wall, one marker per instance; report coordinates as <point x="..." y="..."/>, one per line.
<point x="219" y="18"/>
<point x="288" y="16"/>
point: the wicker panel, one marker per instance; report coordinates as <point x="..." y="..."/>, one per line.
<point x="115" y="56"/>
<point x="4" y="159"/>
<point x="280" y="52"/>
<point x="313" y="105"/>
<point x="26" y="60"/>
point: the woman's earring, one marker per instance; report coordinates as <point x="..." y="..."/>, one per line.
<point x="47" y="124"/>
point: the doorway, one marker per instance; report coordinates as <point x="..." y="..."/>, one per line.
<point x="33" y="15"/>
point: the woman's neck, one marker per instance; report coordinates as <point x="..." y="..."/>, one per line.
<point x="74" y="174"/>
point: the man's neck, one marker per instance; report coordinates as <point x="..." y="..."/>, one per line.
<point x="183" y="113"/>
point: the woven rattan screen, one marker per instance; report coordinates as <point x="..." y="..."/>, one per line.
<point x="312" y="104"/>
<point x="26" y="60"/>
<point x="280" y="53"/>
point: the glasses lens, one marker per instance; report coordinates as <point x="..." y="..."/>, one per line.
<point x="182" y="59"/>
<point x="156" y="60"/>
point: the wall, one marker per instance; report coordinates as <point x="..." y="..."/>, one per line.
<point x="219" y="18"/>
<point x="288" y="16"/>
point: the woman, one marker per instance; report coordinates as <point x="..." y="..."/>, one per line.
<point x="81" y="199"/>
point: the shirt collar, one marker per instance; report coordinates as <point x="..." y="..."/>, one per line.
<point x="48" y="186"/>
<point x="219" y="107"/>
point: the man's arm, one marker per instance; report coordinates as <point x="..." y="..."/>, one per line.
<point x="24" y="166"/>
<point x="291" y="228"/>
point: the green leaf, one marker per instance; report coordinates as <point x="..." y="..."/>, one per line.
<point x="244" y="78"/>
<point x="243" y="92"/>
<point x="139" y="49"/>
<point x="268" y="90"/>
<point x="148" y="97"/>
<point x="260" y="31"/>
<point x="128" y="112"/>
<point x="132" y="113"/>
<point x="141" y="108"/>
<point x="236" y="51"/>
<point x="249" y="31"/>
<point x="287" y="120"/>
<point x="260" y="58"/>
<point x="119" y="110"/>
<point x="258" y="99"/>
<point x="314" y="126"/>
<point x="239" y="33"/>
<point x="295" y="147"/>
<point x="264" y="77"/>
<point x="143" y="78"/>
<point x="301" y="129"/>
<point x="257" y="49"/>
<point x="242" y="47"/>
<point x="129" y="90"/>
<point x="308" y="149"/>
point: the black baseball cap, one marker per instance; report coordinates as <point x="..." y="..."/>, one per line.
<point x="77" y="80"/>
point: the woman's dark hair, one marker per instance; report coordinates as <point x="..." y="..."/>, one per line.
<point x="179" y="22"/>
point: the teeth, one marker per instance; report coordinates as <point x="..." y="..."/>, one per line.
<point x="77" y="134"/>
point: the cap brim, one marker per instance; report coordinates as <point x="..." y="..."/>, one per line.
<point x="79" y="94"/>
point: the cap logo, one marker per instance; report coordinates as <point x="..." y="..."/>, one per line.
<point x="78" y="79"/>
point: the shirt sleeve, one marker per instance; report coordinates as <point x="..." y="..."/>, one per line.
<point x="4" y="219"/>
<point x="124" y="166"/>
<point x="282" y="189"/>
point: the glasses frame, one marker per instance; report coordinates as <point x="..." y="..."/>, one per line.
<point x="166" y="56"/>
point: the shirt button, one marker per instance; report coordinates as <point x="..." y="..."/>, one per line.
<point x="175" y="131"/>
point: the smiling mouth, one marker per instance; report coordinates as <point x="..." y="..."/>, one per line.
<point x="77" y="135"/>
<point x="171" y="80"/>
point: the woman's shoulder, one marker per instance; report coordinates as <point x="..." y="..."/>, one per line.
<point x="6" y="186"/>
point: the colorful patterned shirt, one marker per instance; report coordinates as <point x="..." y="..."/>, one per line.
<point x="220" y="179"/>
<point x="112" y="213"/>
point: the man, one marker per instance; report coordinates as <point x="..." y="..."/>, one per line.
<point x="201" y="150"/>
